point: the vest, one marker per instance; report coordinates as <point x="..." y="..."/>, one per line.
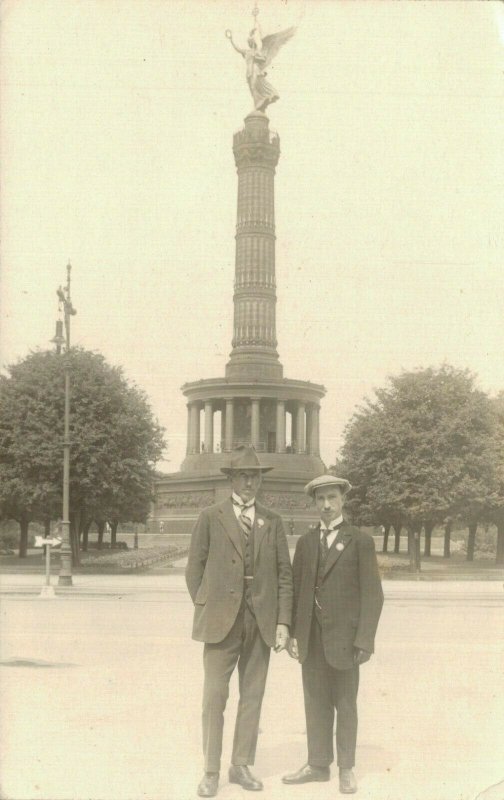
<point x="248" y="564"/>
<point x="318" y="582"/>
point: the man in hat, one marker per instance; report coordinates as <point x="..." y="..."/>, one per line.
<point x="240" y="579"/>
<point x="337" y="604"/>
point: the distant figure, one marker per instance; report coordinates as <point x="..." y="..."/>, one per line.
<point x="259" y="55"/>
<point x="161" y="527"/>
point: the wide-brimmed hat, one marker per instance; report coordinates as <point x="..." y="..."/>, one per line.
<point x="244" y="458"/>
<point x="325" y="481"/>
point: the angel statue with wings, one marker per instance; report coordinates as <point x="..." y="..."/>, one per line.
<point x="258" y="55"/>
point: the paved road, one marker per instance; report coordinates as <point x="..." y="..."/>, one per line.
<point x="101" y="692"/>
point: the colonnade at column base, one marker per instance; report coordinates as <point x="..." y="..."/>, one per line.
<point x="279" y="417"/>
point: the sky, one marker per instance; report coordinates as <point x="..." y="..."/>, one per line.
<point x="117" y="124"/>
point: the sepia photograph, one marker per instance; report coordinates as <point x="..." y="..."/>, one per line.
<point x="251" y="399"/>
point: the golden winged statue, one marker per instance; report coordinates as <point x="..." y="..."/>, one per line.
<point x="258" y="55"/>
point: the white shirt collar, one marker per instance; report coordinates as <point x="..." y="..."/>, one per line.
<point x="237" y="499"/>
<point x="332" y="524"/>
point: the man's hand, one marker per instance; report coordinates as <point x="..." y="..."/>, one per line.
<point x="293" y="649"/>
<point x="282" y="637"/>
<point x="360" y="656"/>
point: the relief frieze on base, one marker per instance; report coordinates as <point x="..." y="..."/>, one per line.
<point x="187" y="500"/>
<point x="285" y="500"/>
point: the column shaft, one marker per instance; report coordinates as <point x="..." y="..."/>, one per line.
<point x="189" y="430"/>
<point x="313" y="446"/>
<point x="195" y="428"/>
<point x="316" y="444"/>
<point x="228" y="440"/>
<point x="209" y="426"/>
<point x="301" y="428"/>
<point x="280" y="427"/>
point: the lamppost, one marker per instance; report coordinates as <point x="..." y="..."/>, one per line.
<point x="65" y="575"/>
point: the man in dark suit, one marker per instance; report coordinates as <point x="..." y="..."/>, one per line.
<point x="240" y="579"/>
<point x="337" y="604"/>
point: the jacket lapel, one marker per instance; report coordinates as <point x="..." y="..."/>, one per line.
<point x="343" y="538"/>
<point x="314" y="550"/>
<point x="230" y="524"/>
<point x="261" y="527"/>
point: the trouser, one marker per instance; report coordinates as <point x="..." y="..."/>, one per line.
<point x="243" y="646"/>
<point x="326" y="689"/>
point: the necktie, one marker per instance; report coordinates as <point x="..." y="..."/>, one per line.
<point x="244" y="520"/>
<point x="324" y="547"/>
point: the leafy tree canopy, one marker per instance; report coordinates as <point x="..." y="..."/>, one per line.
<point x="424" y="450"/>
<point x="115" y="440"/>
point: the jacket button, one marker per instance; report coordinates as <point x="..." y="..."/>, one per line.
<point x="234" y="560"/>
<point x="231" y="591"/>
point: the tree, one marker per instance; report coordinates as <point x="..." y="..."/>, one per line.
<point x="115" y="442"/>
<point x="423" y="452"/>
<point x="497" y="510"/>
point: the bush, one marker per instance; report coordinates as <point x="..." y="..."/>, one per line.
<point x="10" y="533"/>
<point x="107" y="546"/>
<point x="486" y="542"/>
<point x="131" y="561"/>
<point x="9" y="539"/>
<point x="388" y="564"/>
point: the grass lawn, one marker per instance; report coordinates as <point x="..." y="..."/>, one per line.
<point x="396" y="565"/>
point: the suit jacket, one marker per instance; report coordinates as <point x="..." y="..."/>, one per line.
<point x="215" y="573"/>
<point x="350" y="594"/>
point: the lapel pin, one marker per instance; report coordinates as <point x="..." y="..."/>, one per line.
<point x="260" y="522"/>
<point x="340" y="546"/>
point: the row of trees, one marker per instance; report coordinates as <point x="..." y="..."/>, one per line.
<point x="115" y="444"/>
<point x="428" y="451"/>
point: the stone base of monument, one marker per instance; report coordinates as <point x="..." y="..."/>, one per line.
<point x="181" y="496"/>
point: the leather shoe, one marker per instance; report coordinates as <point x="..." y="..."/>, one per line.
<point x="243" y="776"/>
<point x="307" y="774"/>
<point x="347" y="782"/>
<point x="209" y="784"/>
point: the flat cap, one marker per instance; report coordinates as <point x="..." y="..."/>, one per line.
<point x="325" y="481"/>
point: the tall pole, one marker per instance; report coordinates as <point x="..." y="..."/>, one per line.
<point x="65" y="575"/>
